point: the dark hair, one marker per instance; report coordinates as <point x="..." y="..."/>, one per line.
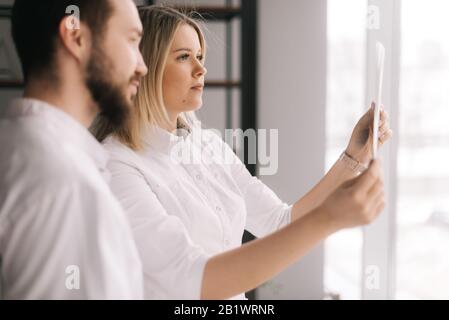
<point x="35" y="28"/>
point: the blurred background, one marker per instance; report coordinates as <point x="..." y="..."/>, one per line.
<point x="305" y="67"/>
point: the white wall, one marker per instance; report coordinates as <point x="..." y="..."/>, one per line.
<point x="292" y="90"/>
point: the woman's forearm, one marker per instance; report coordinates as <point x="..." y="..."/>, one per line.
<point x="338" y="174"/>
<point x="354" y="203"/>
<point x="249" y="266"/>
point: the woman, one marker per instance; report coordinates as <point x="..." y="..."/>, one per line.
<point x="188" y="217"/>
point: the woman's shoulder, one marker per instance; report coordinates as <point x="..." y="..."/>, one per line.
<point x="120" y="152"/>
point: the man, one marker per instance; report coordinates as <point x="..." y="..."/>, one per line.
<point x="62" y="233"/>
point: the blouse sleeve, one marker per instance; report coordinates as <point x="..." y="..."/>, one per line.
<point x="266" y="213"/>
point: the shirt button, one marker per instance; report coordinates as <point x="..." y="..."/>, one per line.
<point x="227" y="242"/>
<point x="198" y="176"/>
<point x="218" y="209"/>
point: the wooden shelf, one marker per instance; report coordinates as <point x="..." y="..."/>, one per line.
<point x="222" y="84"/>
<point x="212" y="13"/>
<point x="7" y="84"/>
<point x="11" y="84"/>
<point x="209" y="84"/>
<point x="207" y="12"/>
<point x="5" y="11"/>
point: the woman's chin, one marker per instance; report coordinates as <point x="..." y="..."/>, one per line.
<point x="191" y="106"/>
<point x="195" y="107"/>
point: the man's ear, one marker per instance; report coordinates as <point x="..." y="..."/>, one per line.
<point x="75" y="38"/>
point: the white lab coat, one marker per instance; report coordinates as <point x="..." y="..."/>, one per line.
<point x="63" y="235"/>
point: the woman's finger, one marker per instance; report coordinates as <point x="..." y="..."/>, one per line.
<point x="384" y="116"/>
<point x="385" y="137"/>
<point x="383" y="129"/>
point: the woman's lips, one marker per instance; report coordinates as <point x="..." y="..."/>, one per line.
<point x="199" y="87"/>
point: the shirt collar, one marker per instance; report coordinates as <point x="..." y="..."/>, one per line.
<point x="67" y="127"/>
<point x="163" y="140"/>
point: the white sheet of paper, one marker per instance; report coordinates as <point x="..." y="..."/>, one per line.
<point x="380" y="49"/>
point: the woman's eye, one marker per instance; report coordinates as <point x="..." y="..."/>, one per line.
<point x="200" y="58"/>
<point x="183" y="57"/>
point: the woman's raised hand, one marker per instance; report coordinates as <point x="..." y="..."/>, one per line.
<point x="359" y="146"/>
<point x="357" y="202"/>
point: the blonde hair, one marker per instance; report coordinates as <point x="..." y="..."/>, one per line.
<point x="160" y="24"/>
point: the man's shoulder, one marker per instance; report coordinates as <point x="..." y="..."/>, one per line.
<point x="29" y="146"/>
<point x="26" y="132"/>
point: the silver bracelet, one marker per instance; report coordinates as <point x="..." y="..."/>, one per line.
<point x="352" y="164"/>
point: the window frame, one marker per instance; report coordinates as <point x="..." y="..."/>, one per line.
<point x="379" y="239"/>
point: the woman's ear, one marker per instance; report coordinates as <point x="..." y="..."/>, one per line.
<point x="75" y="38"/>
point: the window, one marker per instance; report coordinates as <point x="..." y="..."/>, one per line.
<point x="345" y="105"/>
<point x="421" y="205"/>
<point x="423" y="183"/>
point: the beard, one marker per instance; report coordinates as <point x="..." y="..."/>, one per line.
<point x="110" y="97"/>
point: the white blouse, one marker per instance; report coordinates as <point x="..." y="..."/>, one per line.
<point x="188" y="197"/>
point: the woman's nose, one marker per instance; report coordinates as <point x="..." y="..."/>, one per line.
<point x="201" y="71"/>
